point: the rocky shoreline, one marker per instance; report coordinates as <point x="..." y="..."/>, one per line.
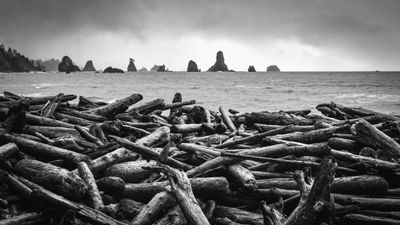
<point x="181" y="163"/>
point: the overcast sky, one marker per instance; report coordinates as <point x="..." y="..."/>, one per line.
<point x="294" y="34"/>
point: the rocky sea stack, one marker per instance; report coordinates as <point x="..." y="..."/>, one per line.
<point x="67" y="65"/>
<point x="89" y="66"/>
<point x="273" y="68"/>
<point x="13" y="61"/>
<point x="112" y="70"/>
<point x="131" y="66"/>
<point x="161" y="68"/>
<point x="192" y="67"/>
<point x="251" y="69"/>
<point x="219" y="64"/>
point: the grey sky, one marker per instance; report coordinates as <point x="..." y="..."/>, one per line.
<point x="294" y="34"/>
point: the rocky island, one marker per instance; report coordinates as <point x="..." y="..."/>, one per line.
<point x="273" y="68"/>
<point x="192" y="67"/>
<point x="251" y="69"/>
<point x="67" y="65"/>
<point x="112" y="70"/>
<point x="89" y="66"/>
<point x="219" y="64"/>
<point x="131" y="66"/>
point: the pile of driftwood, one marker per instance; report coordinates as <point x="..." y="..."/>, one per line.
<point x="180" y="163"/>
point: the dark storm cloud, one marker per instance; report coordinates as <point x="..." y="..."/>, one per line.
<point x="351" y="24"/>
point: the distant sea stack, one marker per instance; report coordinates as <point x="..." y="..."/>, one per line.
<point x="192" y="67"/>
<point x="50" y="65"/>
<point x="251" y="69"/>
<point x="112" y="70"/>
<point x="67" y="65"/>
<point x="89" y="66"/>
<point x="131" y="66"/>
<point x="273" y="68"/>
<point x="13" y="61"/>
<point x="161" y="68"/>
<point x="219" y="64"/>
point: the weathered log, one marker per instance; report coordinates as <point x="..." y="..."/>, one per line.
<point x="88" y="136"/>
<point x="8" y="150"/>
<point x="161" y="134"/>
<point x="366" y="220"/>
<point x="51" y="132"/>
<point x="43" y="121"/>
<point x="364" y="184"/>
<point x="119" y="106"/>
<point x="277" y="118"/>
<point x="209" y="139"/>
<point x="387" y="204"/>
<point x="290" y="129"/>
<point x="161" y="202"/>
<point x="52" y="177"/>
<point x="313" y="136"/>
<point x="51" y="106"/>
<point x="132" y="129"/>
<point x="80" y="114"/>
<point x="371" y="136"/>
<point x="243" y="175"/>
<point x="95" y="200"/>
<point x="53" y="152"/>
<point x="111" y="185"/>
<point x="376" y="163"/>
<point x="264" y="175"/>
<point x="344" y="144"/>
<point x="182" y="190"/>
<point x="227" y="120"/>
<point x="177" y="99"/>
<point x="187" y="128"/>
<point x="72" y="119"/>
<point x="148" y="106"/>
<point x="201" y="186"/>
<point x="131" y="172"/>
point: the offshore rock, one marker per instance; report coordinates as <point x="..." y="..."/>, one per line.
<point x="67" y="65"/>
<point x="131" y="66"/>
<point x="219" y="64"/>
<point x="89" y="66"/>
<point x="251" y="69"/>
<point x="273" y="68"/>
<point x="192" y="67"/>
<point x="112" y="70"/>
<point x="161" y="68"/>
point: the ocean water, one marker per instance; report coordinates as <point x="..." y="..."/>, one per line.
<point x="246" y="92"/>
